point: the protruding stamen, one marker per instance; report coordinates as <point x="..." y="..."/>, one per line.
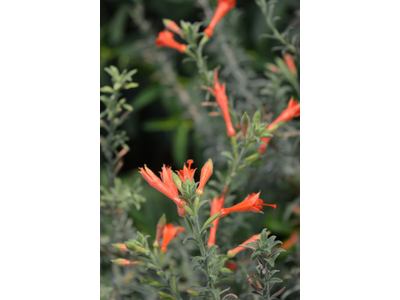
<point x="272" y="205"/>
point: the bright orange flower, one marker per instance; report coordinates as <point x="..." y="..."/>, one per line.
<point x="169" y="233"/>
<point x="220" y="96"/>
<point x="187" y="172"/>
<point x="166" y="39"/>
<point x="292" y="111"/>
<point x="290" y="63"/>
<point x="166" y="186"/>
<point x="251" y="203"/>
<point x="216" y="206"/>
<point x="290" y="242"/>
<point x="124" y="262"/>
<point x="233" y="252"/>
<point x="172" y="26"/>
<point x="205" y="174"/>
<point x="223" y="7"/>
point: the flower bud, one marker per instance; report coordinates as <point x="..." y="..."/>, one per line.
<point x="133" y="247"/>
<point x="177" y="181"/>
<point x="124" y="262"/>
<point x="205" y="174"/>
<point x="275" y="127"/>
<point x="256" y="117"/>
<point x="121" y="247"/>
<point x="172" y="26"/>
<point x="244" y="124"/>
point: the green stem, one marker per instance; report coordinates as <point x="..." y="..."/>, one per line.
<point x="158" y="262"/>
<point x="195" y="221"/>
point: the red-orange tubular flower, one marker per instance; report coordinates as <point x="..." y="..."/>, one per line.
<point x="290" y="242"/>
<point x="292" y="111"/>
<point x="166" y="39"/>
<point x="251" y="203"/>
<point x="216" y="206"/>
<point x="241" y="247"/>
<point x="172" y="26"/>
<point x="223" y="7"/>
<point x="220" y="95"/>
<point x="166" y="186"/>
<point x="290" y="63"/>
<point x="187" y="172"/>
<point x="205" y="174"/>
<point x="169" y="233"/>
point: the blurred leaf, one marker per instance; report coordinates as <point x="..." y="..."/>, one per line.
<point x="180" y="143"/>
<point x="131" y="85"/>
<point x="161" y="125"/>
<point x="146" y="97"/>
<point x="118" y="24"/>
<point x="106" y="89"/>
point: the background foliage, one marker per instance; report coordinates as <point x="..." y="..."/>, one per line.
<point x="167" y="123"/>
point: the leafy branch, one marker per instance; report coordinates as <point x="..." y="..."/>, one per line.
<point x="265" y="253"/>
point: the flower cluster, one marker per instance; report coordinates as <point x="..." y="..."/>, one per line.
<point x="167" y="186"/>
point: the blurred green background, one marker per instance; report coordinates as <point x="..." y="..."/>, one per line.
<point x="163" y="130"/>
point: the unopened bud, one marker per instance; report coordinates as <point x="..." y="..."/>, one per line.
<point x="275" y="127"/>
<point x="206" y="172"/>
<point x="256" y="117"/>
<point x="131" y="246"/>
<point x="177" y="181"/>
<point x="244" y="124"/>
<point x="231" y="254"/>
<point x="172" y="26"/>
<point x="124" y="262"/>
<point x="121" y="247"/>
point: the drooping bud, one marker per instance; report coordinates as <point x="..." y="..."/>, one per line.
<point x="205" y="174"/>
<point x="172" y="26"/>
<point x="160" y="228"/>
<point x="124" y="262"/>
<point x="244" y="124"/>
<point x="121" y="247"/>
